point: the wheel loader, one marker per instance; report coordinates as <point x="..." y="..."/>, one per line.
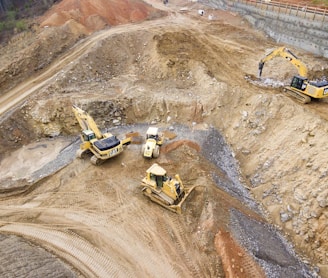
<point x="102" y="146"/>
<point x="300" y="87"/>
<point x="154" y="140"/>
<point x="164" y="190"/>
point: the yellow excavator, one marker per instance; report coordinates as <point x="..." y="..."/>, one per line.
<point x="102" y="146"/>
<point x="164" y="190"/>
<point x="300" y="87"/>
<point x="154" y="139"/>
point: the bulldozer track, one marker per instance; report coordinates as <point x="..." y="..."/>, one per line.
<point x="89" y="260"/>
<point x="304" y="99"/>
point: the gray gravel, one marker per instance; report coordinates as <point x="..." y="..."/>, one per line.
<point x="269" y="248"/>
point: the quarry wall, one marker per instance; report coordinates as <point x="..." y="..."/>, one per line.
<point x="300" y="26"/>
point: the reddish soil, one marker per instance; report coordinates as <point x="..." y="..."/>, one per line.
<point x="92" y="15"/>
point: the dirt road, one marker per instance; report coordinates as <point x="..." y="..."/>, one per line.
<point x="28" y="87"/>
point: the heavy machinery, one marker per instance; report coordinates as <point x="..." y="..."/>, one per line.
<point x="300" y="87"/>
<point x="102" y="146"/>
<point x="154" y="140"/>
<point x="164" y="190"/>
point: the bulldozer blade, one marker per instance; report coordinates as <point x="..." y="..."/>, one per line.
<point x="187" y="193"/>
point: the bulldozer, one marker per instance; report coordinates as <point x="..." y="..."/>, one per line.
<point x="164" y="190"/>
<point x="154" y="140"/>
<point x="102" y="145"/>
<point x="300" y="87"/>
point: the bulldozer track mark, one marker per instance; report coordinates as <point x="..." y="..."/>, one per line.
<point x="9" y="194"/>
<point x="149" y="234"/>
<point x="182" y="239"/>
<point x="176" y="232"/>
<point x="57" y="226"/>
<point x="88" y="259"/>
<point x="50" y="197"/>
<point x="101" y="202"/>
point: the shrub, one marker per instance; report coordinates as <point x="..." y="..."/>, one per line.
<point x="2" y="26"/>
<point x="320" y="2"/>
<point x="21" y="25"/>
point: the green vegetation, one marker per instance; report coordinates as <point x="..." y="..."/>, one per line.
<point x="10" y="22"/>
<point x="21" y="25"/>
<point x="14" y="15"/>
<point x="320" y="2"/>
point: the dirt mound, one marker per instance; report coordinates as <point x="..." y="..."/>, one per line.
<point x="174" y="145"/>
<point x="96" y="14"/>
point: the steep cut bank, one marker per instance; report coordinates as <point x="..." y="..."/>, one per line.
<point x="302" y="24"/>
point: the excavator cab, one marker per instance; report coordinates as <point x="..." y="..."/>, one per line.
<point x="88" y="135"/>
<point x="299" y="82"/>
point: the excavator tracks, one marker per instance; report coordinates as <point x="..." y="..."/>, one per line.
<point x="302" y="98"/>
<point x="96" y="161"/>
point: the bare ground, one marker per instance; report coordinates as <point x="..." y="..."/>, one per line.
<point x="184" y="73"/>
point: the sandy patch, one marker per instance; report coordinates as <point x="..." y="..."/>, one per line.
<point x="30" y="158"/>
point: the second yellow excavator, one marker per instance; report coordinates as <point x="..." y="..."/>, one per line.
<point x="300" y="87"/>
<point x="102" y="146"/>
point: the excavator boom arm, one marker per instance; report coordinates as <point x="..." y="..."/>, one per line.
<point x="86" y="121"/>
<point x="289" y="56"/>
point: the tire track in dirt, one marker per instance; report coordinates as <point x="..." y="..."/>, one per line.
<point x="176" y="233"/>
<point x="88" y="259"/>
<point x="175" y="268"/>
<point x="118" y="223"/>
